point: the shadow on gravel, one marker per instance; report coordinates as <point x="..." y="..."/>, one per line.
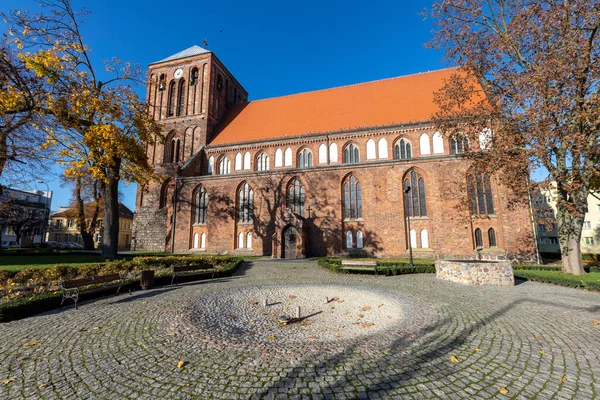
<point x="429" y="358"/>
<point x="140" y="295"/>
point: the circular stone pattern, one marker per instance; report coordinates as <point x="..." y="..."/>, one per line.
<point x="328" y="314"/>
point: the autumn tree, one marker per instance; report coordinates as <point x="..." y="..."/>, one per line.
<point x="538" y="64"/>
<point x="21" y="135"/>
<point x="102" y="126"/>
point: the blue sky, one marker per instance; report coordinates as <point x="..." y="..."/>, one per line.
<point x="273" y="48"/>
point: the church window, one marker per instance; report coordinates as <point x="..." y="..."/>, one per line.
<point x="219" y="83"/>
<point x="359" y="240"/>
<point x="349" y="240"/>
<point x="485" y="138"/>
<point x="240" y="244"/>
<point x="352" y="198"/>
<point x="371" y="150"/>
<point x="173" y="151"/>
<point x="164" y="194"/>
<point x="424" y="239"/>
<point x="194" y="77"/>
<point x="458" y="145"/>
<point x="249" y="240"/>
<point x="492" y="237"/>
<point x="305" y="158"/>
<point x="296" y="197"/>
<point x="203" y="240"/>
<point x="351" y="154"/>
<point x="478" y="239"/>
<point x="181" y="98"/>
<point x="278" y="158"/>
<point x="245" y="204"/>
<point x="480" y="194"/>
<point x="171" y="99"/>
<point x="438" y="143"/>
<point x="413" y="238"/>
<point x="424" y="144"/>
<point x="323" y="153"/>
<point x="162" y="82"/>
<point x="211" y="165"/>
<point x="382" y="148"/>
<point x="196" y="240"/>
<point x="238" y="161"/>
<point x="200" y="206"/>
<point x="262" y="162"/>
<point x="288" y="157"/>
<point x="224" y="166"/>
<point x="247" y="160"/>
<point x="402" y="150"/>
<point x="333" y="153"/>
<point x="417" y="204"/>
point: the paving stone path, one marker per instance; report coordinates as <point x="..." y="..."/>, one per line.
<point x="446" y="341"/>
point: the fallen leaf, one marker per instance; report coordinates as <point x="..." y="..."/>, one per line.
<point x="187" y="384"/>
<point x="595" y="323"/>
<point x="564" y="379"/>
<point x="368" y="325"/>
<point x="292" y="297"/>
<point x="181" y="363"/>
<point x="82" y="329"/>
<point x="360" y="315"/>
<point x="311" y="338"/>
<point x="379" y="305"/>
<point x="7" y="381"/>
<point x="539" y="337"/>
<point x="271" y="337"/>
<point x="31" y="343"/>
<point x="335" y="299"/>
<point x="366" y="308"/>
<point x="253" y="303"/>
<point x="231" y="316"/>
<point x="340" y="301"/>
<point x="171" y="334"/>
<point x="97" y="328"/>
<point x="473" y="334"/>
<point x="503" y="390"/>
<point x="478" y="350"/>
<point x="542" y="352"/>
<point x="338" y="336"/>
<point x="150" y="380"/>
<point x="454" y="359"/>
<point x="43" y="385"/>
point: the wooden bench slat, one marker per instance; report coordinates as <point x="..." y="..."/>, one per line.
<point x="71" y="288"/>
<point x="370" y="263"/>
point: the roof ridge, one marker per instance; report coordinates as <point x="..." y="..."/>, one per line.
<point x="354" y="84"/>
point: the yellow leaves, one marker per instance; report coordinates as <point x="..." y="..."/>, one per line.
<point x="271" y="337"/>
<point x="595" y="323"/>
<point x="181" y="364"/>
<point x="542" y="352"/>
<point x="503" y="390"/>
<point x="563" y="379"/>
<point x="477" y="350"/>
<point x="34" y="343"/>
<point x="366" y="308"/>
<point x="42" y="385"/>
<point x="7" y="381"/>
<point x="454" y="359"/>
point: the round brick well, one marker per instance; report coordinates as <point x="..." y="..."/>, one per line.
<point x="475" y="272"/>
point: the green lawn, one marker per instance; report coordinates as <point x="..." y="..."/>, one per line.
<point x="589" y="281"/>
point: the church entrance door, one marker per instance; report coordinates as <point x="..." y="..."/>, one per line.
<point x="289" y="242"/>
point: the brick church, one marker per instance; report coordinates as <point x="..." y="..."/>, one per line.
<point x="329" y="172"/>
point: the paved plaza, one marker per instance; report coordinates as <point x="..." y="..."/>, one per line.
<point x="357" y="337"/>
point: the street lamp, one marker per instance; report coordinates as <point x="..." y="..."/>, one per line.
<point x="46" y="211"/>
<point x="407" y="216"/>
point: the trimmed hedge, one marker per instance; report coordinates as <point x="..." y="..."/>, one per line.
<point x="535" y="267"/>
<point x="394" y="267"/>
<point x="590" y="281"/>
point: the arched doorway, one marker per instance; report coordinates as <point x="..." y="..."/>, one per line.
<point x="288" y="242"/>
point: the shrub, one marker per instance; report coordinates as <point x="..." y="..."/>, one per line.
<point x="536" y="267"/>
<point x="594" y="269"/>
<point x="6" y="275"/>
<point x="591" y="281"/>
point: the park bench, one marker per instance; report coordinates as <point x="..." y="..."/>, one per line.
<point x="191" y="270"/>
<point x="356" y="265"/>
<point x="72" y="288"/>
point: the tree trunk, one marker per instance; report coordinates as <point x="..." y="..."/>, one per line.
<point x="88" y="240"/>
<point x="570" y="224"/>
<point x="110" y="195"/>
<point x="87" y="231"/>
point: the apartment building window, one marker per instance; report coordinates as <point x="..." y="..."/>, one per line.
<point x="57" y="237"/>
<point x="553" y="240"/>
<point x="541" y="228"/>
<point x="598" y="207"/>
<point x="587" y="225"/>
<point x="588" y="240"/>
<point x="59" y="223"/>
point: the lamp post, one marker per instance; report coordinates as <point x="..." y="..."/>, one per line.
<point x="407" y="215"/>
<point x="46" y="211"/>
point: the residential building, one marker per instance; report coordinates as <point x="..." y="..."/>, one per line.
<point x="64" y="226"/>
<point x="314" y="173"/>
<point x="30" y="202"/>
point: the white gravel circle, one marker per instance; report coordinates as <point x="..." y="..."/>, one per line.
<point x="238" y="315"/>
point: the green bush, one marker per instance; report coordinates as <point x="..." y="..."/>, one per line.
<point x="387" y="267"/>
<point x="27" y="306"/>
<point x="591" y="256"/>
<point x="535" y="267"/>
<point x="594" y="269"/>
<point x="331" y="263"/>
<point x="590" y="281"/>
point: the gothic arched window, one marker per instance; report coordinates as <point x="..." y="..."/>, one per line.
<point x="200" y="206"/>
<point x="305" y="158"/>
<point x="245" y="204"/>
<point x="171" y="99"/>
<point x="262" y="162"/>
<point x="296" y="197"/>
<point x="359" y="240"/>
<point x="492" y="237"/>
<point x="194" y="77"/>
<point x="352" y="198"/>
<point x="181" y="97"/>
<point x="458" y="145"/>
<point x="416" y="205"/>
<point x="224" y="166"/>
<point x="351" y="154"/>
<point x="480" y="194"/>
<point x="402" y="150"/>
<point x="478" y="239"/>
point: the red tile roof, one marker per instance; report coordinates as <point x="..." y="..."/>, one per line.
<point x="385" y="102"/>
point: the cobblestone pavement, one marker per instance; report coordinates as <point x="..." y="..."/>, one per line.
<point x="450" y="341"/>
